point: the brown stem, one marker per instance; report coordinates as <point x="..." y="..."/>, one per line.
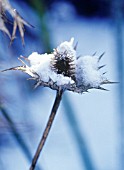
<point x="47" y="129"/>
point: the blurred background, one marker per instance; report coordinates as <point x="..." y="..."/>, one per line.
<point x="88" y="132"/>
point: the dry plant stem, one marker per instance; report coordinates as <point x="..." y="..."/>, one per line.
<point x="47" y="129"/>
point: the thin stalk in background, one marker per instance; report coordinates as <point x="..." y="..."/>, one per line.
<point x="1" y="165"/>
<point x="45" y="35"/>
<point x="82" y="147"/>
<point x="18" y="137"/>
<point x="118" y="20"/>
<point x="47" y="129"/>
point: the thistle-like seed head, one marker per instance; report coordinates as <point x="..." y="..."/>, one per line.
<point x="62" y="69"/>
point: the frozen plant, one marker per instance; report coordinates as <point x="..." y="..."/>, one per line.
<point x="62" y="70"/>
<point x="18" y="21"/>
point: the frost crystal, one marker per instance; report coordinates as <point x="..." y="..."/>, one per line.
<point x="62" y="69"/>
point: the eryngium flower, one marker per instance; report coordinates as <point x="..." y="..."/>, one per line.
<point x="62" y="69"/>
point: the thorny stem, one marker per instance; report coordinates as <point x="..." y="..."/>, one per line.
<point x="47" y="129"/>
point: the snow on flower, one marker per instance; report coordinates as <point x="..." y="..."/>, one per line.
<point x="66" y="47"/>
<point x="42" y="64"/>
<point x="62" y="69"/>
<point x="88" y="73"/>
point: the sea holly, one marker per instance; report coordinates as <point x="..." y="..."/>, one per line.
<point x="62" y="70"/>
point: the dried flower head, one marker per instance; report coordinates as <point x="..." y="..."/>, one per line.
<point x="62" y="69"/>
<point x="18" y="20"/>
